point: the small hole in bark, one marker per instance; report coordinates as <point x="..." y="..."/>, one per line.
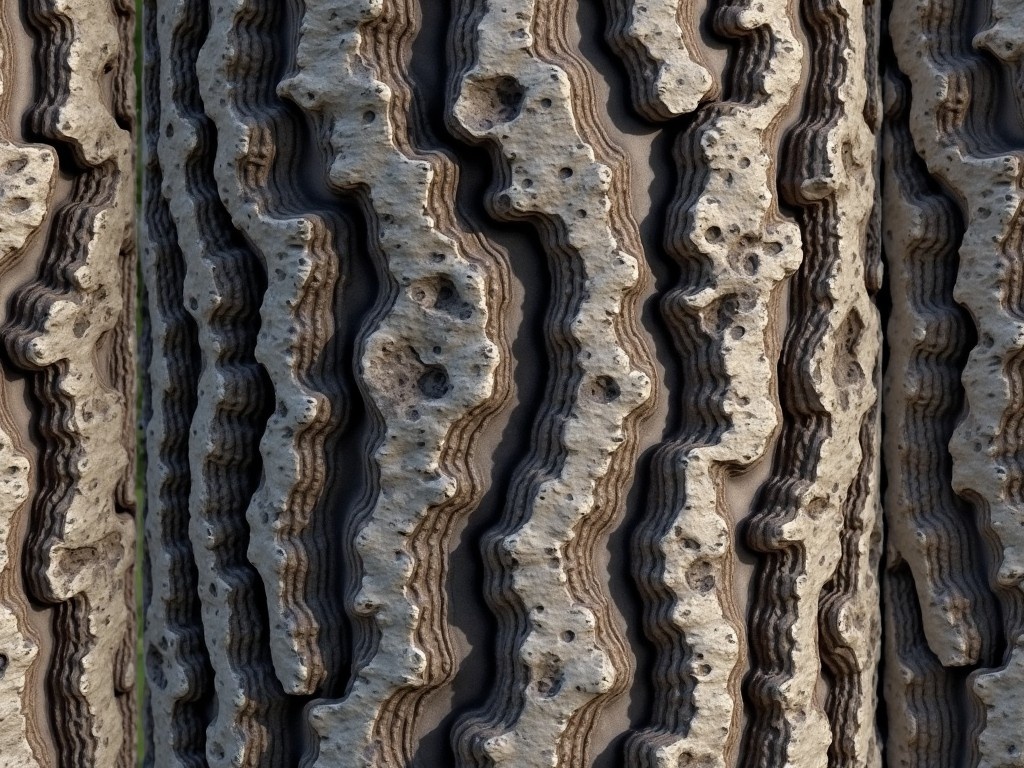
<point x="493" y="101"/>
<point x="434" y="383"/>
<point x="15" y="166"/>
<point x="155" y="668"/>
<point x="605" y="389"/>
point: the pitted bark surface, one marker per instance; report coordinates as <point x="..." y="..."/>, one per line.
<point x="67" y="542"/>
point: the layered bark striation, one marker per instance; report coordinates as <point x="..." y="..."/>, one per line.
<point x="337" y="342"/>
<point x="66" y="421"/>
<point x="959" y="62"/>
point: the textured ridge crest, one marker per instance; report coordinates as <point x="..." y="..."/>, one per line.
<point x="659" y="42"/>
<point x="71" y="330"/>
<point x="735" y="251"/>
<point x="520" y="91"/>
<point x="955" y="127"/>
<point x="818" y="527"/>
<point x="296" y="320"/>
<point x="221" y="289"/>
<point x="26" y="185"/>
<point x="175" y="655"/>
<point x="430" y="362"/>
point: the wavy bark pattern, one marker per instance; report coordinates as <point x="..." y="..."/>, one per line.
<point x="819" y="526"/>
<point x="430" y="363"/>
<point x="667" y="73"/>
<point x="70" y="330"/>
<point x="521" y="91"/>
<point x="175" y="656"/>
<point x="966" y="125"/>
<point x="336" y="347"/>
<point x="296" y="251"/>
<point x="221" y="290"/>
<point x="736" y="251"/>
<point x="26" y="188"/>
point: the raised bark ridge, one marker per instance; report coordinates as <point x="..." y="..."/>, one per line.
<point x="956" y="63"/>
<point x="70" y="329"/>
<point x="346" y="338"/>
<point x="522" y="93"/>
<point x="221" y="289"/>
<point x="724" y="224"/>
<point x="819" y="528"/>
<point x="26" y="186"/>
<point x="659" y="42"/>
<point x="175" y="656"/>
<point x="430" y="362"/>
<point x="296" y="253"/>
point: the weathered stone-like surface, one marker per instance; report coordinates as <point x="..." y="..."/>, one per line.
<point x="658" y="40"/>
<point x="736" y="252"/>
<point x="956" y="192"/>
<point x="67" y="640"/>
<point x="520" y="90"/>
<point x="352" y="405"/>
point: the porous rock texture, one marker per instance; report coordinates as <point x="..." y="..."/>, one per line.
<point x="67" y="426"/>
<point x="512" y="383"/>
<point x="954" y="662"/>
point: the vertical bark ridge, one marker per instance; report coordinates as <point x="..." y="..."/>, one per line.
<point x="958" y="130"/>
<point x="64" y="330"/>
<point x="736" y="252"/>
<point x="222" y="289"/>
<point x="295" y="250"/>
<point x="26" y="186"/>
<point x="660" y="43"/>
<point x="521" y="91"/>
<point x="432" y="362"/>
<point x="819" y="511"/>
<point x="177" y="665"/>
<point x="929" y="526"/>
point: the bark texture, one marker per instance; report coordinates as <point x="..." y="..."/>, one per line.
<point x="67" y="417"/>
<point x="513" y="383"/>
<point x="955" y="654"/>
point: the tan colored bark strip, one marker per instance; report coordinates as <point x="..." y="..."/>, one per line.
<point x="521" y="92"/>
<point x="820" y="507"/>
<point x="296" y="322"/>
<point x="725" y="219"/>
<point x="81" y="546"/>
<point x="660" y="43"/>
<point x="26" y="184"/>
<point x="429" y="363"/>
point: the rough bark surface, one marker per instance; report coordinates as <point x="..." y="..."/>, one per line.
<point x="67" y="426"/>
<point x="955" y="656"/>
<point x="474" y="440"/>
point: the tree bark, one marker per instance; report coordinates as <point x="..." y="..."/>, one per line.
<point x="512" y="383"/>
<point x="67" y="417"/>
